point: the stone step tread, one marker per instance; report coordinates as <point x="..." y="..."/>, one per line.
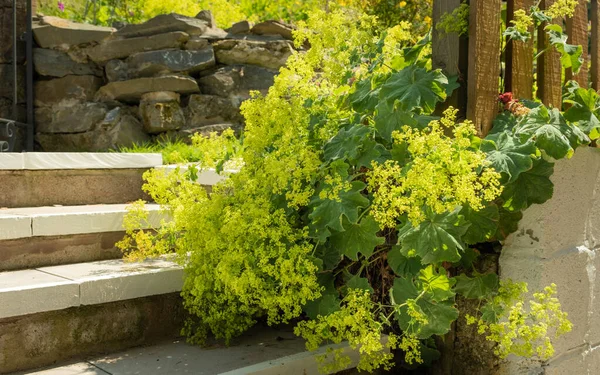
<point x="260" y="351"/>
<point x="60" y="287"/>
<point x="78" y="160"/>
<point x="67" y="220"/>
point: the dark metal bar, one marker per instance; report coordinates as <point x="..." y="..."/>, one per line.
<point x="14" y="58"/>
<point x="30" y="93"/>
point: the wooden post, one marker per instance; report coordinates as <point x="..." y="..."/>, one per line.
<point x="577" y="29"/>
<point x="519" y="57"/>
<point x="449" y="53"/>
<point x="549" y="70"/>
<point x="595" y="55"/>
<point x="484" y="63"/>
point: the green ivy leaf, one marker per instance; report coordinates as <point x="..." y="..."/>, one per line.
<point x="439" y="315"/>
<point x="436" y="284"/>
<point x="508" y="223"/>
<point x="484" y="223"/>
<point x="328" y="214"/>
<point x="357" y="282"/>
<point x="435" y="240"/>
<point x="358" y="238"/>
<point x="478" y="287"/>
<point x="508" y="155"/>
<point x="533" y="186"/>
<point x="364" y="98"/>
<point x="401" y="265"/>
<point x="571" y="55"/>
<point x="346" y="143"/>
<point x="551" y="132"/>
<point x="322" y="306"/>
<point x="415" y="87"/>
<point x="584" y="111"/>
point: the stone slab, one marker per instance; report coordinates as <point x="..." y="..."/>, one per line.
<point x="32" y="291"/>
<point x="55" y="32"/>
<point x="116" y="280"/>
<point x="12" y="160"/>
<point x="14" y="226"/>
<point x="74" y="369"/>
<point x="89" y="160"/>
<point x="66" y="220"/>
<point x="70" y="187"/>
<point x="133" y="89"/>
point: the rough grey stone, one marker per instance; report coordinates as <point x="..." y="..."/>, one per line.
<point x="116" y="70"/>
<point x="77" y="118"/>
<point x="268" y="54"/>
<point x="165" y="23"/>
<point x="161" y="112"/>
<point x="203" y="110"/>
<point x="54" y="63"/>
<point x="132" y="90"/>
<point x="196" y="42"/>
<point x="6" y="82"/>
<point x="73" y="88"/>
<point x="146" y="64"/>
<point x="207" y="16"/>
<point x="121" y="48"/>
<point x="118" y="129"/>
<point x="56" y="32"/>
<point x="242" y="27"/>
<point x="273" y="28"/>
<point x="236" y="81"/>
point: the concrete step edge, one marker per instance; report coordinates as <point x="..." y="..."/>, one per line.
<point x="78" y="160"/>
<point x="60" y="287"/>
<point x="67" y="220"/>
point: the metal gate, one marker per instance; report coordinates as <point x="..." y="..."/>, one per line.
<point x="11" y="128"/>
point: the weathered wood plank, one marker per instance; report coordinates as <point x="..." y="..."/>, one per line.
<point x="519" y="57"/>
<point x="484" y="63"/>
<point x="577" y="29"/>
<point x="549" y="70"/>
<point x="595" y="53"/>
<point x="449" y="52"/>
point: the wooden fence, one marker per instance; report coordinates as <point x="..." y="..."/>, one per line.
<point x="478" y="57"/>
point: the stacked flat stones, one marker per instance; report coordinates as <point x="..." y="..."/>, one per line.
<point x="99" y="88"/>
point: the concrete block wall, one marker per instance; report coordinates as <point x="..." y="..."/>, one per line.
<point x="559" y="242"/>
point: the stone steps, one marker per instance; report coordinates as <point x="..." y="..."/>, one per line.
<point x="44" y="236"/>
<point x="43" y="179"/>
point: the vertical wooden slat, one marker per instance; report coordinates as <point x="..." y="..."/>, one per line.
<point x="519" y="57"/>
<point x="449" y="54"/>
<point x="484" y="63"/>
<point x="595" y="53"/>
<point x="548" y="68"/>
<point x="577" y="29"/>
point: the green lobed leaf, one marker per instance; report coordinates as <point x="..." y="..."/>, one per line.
<point x="358" y="238"/>
<point x="571" y="54"/>
<point x="346" y="143"/>
<point x="439" y="315"/>
<point x="401" y="265"/>
<point x="508" y="223"/>
<point x="436" y="283"/>
<point x="329" y="255"/>
<point x="478" y="287"/>
<point x="369" y="152"/>
<point x="328" y="214"/>
<point x="364" y="98"/>
<point x="388" y="119"/>
<point x="533" y="186"/>
<point x="322" y="306"/>
<point x="357" y="282"/>
<point x="584" y="111"/>
<point x="508" y="155"/>
<point x="550" y="131"/>
<point x="435" y="240"/>
<point x="415" y="87"/>
<point x="484" y="223"/>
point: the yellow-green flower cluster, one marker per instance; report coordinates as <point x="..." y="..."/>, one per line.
<point x="562" y="8"/>
<point x="522" y="21"/>
<point x="356" y="323"/>
<point x="455" y="22"/>
<point x="524" y="331"/>
<point x="443" y="173"/>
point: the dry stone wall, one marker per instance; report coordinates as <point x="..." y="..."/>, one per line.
<point x="99" y="88"/>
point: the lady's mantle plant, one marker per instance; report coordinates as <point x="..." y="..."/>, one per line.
<point x="355" y="206"/>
